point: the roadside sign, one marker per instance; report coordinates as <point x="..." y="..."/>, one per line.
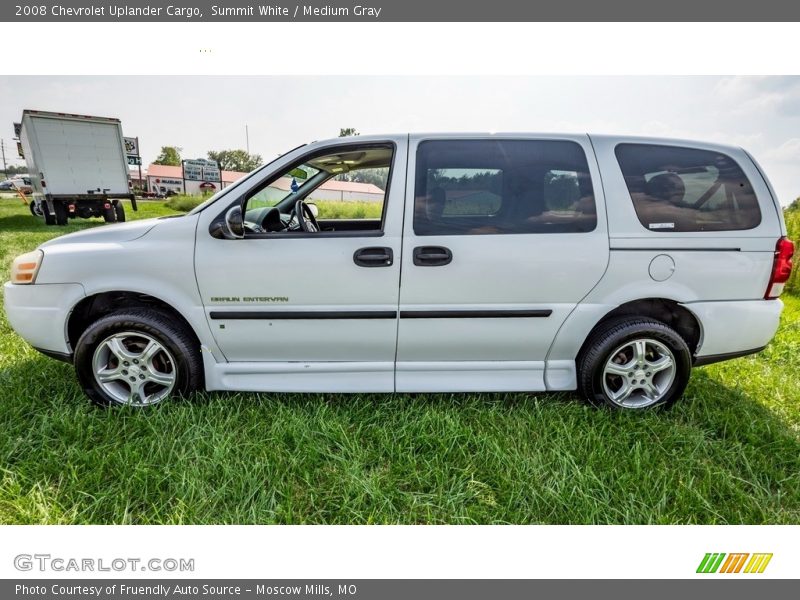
<point x="131" y="146"/>
<point x="201" y="169"/>
<point x="212" y="173"/>
<point x="192" y="171"/>
<point x="135" y="160"/>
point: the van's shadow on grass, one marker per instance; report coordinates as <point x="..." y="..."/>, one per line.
<point x="42" y="380"/>
<point x="717" y="457"/>
<point x="706" y="398"/>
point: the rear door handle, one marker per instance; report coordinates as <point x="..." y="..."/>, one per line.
<point x="375" y="256"/>
<point x="432" y="256"/>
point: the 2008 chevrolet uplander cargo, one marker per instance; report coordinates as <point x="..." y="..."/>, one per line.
<point x="518" y="262"/>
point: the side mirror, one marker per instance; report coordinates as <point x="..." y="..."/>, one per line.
<point x="313" y="208"/>
<point x="231" y="227"/>
<point x="234" y="224"/>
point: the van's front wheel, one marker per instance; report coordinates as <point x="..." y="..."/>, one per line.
<point x="137" y="357"/>
<point x="634" y="364"/>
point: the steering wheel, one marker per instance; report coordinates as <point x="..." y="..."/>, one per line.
<point x="305" y="218"/>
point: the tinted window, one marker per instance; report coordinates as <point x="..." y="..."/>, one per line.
<point x="502" y="186"/>
<point x="685" y="189"/>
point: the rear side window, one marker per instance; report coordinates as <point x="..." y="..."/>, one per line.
<point x="686" y="189"/>
<point x="474" y="187"/>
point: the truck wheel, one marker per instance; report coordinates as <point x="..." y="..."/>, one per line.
<point x="137" y="357"/>
<point x="109" y="214"/>
<point x="36" y="212"/>
<point x="119" y="210"/>
<point x="49" y="218"/>
<point x="634" y="363"/>
<point x="60" y="213"/>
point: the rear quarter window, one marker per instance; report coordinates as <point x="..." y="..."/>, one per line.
<point x="679" y="189"/>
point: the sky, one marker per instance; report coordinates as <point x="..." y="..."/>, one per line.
<point x="199" y="114"/>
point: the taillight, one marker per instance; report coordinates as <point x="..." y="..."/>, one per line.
<point x="44" y="183"/>
<point x="781" y="268"/>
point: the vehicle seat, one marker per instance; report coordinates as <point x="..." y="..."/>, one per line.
<point x="668" y="187"/>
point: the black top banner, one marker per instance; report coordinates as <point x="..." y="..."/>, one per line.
<point x="405" y="10"/>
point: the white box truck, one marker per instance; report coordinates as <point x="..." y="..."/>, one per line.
<point x="77" y="165"/>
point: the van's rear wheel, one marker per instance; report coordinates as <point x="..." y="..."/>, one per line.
<point x="137" y="357"/>
<point x="633" y="364"/>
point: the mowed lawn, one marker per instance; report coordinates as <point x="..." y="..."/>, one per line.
<point x="729" y="453"/>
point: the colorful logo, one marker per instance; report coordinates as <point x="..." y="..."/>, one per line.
<point x="737" y="562"/>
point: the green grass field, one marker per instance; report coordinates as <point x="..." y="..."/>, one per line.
<point x="729" y="453"/>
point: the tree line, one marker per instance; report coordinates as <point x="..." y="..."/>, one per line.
<point x="229" y="160"/>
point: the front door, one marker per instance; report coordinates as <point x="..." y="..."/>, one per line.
<point x="503" y="237"/>
<point x="311" y="308"/>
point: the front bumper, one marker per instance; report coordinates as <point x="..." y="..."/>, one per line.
<point x="39" y="313"/>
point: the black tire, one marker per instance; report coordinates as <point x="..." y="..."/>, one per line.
<point x="610" y="338"/>
<point x="49" y="218"/>
<point x="164" y="328"/>
<point x="109" y="215"/>
<point x="119" y="210"/>
<point x="61" y="216"/>
<point x="32" y="206"/>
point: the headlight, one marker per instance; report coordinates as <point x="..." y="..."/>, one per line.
<point x="26" y="266"/>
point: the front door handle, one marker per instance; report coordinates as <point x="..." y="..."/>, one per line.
<point x="375" y="256"/>
<point x="432" y="256"/>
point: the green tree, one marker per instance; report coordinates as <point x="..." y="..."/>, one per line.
<point x="170" y="155"/>
<point x="791" y="215"/>
<point x="16" y="170"/>
<point x="347" y="132"/>
<point x="236" y="160"/>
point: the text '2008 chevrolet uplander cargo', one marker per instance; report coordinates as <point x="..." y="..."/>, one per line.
<point x="607" y="265"/>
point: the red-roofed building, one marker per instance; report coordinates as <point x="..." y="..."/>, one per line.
<point x="336" y="190"/>
<point x="164" y="178"/>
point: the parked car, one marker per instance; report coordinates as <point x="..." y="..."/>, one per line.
<point x="603" y="264"/>
<point x="23" y="184"/>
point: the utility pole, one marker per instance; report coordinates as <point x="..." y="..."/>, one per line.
<point x="3" y="148"/>
<point x="139" y="157"/>
<point x="247" y="138"/>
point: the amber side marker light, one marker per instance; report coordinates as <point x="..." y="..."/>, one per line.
<point x="25" y="267"/>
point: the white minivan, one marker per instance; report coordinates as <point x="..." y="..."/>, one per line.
<point x="462" y="262"/>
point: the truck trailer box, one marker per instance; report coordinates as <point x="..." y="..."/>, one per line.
<point x="77" y="164"/>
